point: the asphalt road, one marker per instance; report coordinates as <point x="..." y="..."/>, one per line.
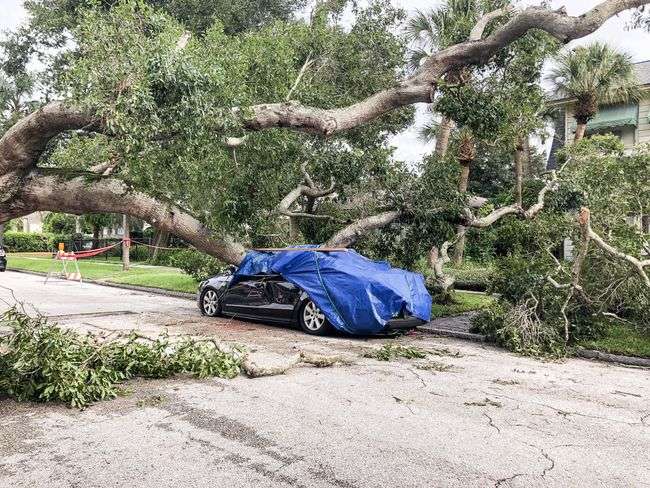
<point x="481" y="417"/>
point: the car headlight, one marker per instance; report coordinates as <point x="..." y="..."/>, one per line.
<point x="202" y="285"/>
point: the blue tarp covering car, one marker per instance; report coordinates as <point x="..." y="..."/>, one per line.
<point x="356" y="294"/>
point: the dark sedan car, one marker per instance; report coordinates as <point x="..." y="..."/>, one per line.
<point x="270" y="298"/>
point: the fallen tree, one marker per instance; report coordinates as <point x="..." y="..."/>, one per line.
<point x="25" y="186"/>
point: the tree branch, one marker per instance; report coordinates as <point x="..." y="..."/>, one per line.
<point x="477" y="32"/>
<point x="22" y="145"/>
<point x="308" y="189"/>
<point x="347" y="236"/>
<point x="422" y="84"/>
<point x="638" y="265"/>
<point x="41" y="190"/>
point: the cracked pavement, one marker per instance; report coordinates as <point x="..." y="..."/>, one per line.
<point x="480" y="417"/>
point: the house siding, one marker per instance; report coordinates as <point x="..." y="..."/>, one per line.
<point x="629" y="135"/>
<point x="643" y="130"/>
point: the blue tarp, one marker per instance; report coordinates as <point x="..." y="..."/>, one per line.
<point x="357" y="295"/>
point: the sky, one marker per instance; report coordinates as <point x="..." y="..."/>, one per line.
<point x="409" y="147"/>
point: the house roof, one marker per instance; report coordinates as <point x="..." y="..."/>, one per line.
<point x="642" y="70"/>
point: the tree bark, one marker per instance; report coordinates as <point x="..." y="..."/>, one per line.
<point x="126" y="243"/>
<point x="459" y="248"/>
<point x="581" y="128"/>
<point x="81" y="195"/>
<point x="347" y="236"/>
<point x="519" y="170"/>
<point x="442" y="137"/>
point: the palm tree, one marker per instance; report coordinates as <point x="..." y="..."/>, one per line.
<point x="435" y="29"/>
<point x="438" y="28"/>
<point x="594" y="75"/>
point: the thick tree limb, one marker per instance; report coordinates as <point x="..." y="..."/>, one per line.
<point x="420" y="86"/>
<point x="347" y="236"/>
<point x="477" y="32"/>
<point x="22" y="145"/>
<point x="42" y="191"/>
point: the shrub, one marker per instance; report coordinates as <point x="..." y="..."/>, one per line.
<point x="26" y="242"/>
<point x="196" y="264"/>
<point x="59" y="223"/>
<point x="42" y="362"/>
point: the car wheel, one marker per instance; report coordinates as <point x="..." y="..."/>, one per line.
<point x="210" y="305"/>
<point x="313" y="320"/>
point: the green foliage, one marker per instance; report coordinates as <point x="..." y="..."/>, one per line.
<point x="169" y="109"/>
<point x="196" y="264"/>
<point x="42" y="362"/>
<point x="614" y="185"/>
<point x="59" y="223"/>
<point x="55" y="17"/>
<point x="516" y="327"/>
<point x="26" y="242"/>
<point x="392" y="351"/>
<point x="595" y="75"/>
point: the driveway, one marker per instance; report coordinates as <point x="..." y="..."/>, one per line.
<point x="469" y="415"/>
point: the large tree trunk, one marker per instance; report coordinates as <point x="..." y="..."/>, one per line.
<point x="2" y="235"/>
<point x="519" y="170"/>
<point x="109" y="195"/>
<point x="467" y="154"/>
<point x="24" y="189"/>
<point x="581" y="128"/>
<point x="442" y="137"/>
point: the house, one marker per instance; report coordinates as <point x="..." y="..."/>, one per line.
<point x="32" y="222"/>
<point x="629" y="121"/>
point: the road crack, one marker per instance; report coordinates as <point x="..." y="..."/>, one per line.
<point x="491" y="422"/>
<point x="500" y="481"/>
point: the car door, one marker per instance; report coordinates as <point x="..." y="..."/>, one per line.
<point x="248" y="297"/>
<point x="284" y="297"/>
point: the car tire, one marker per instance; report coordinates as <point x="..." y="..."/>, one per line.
<point x="209" y="303"/>
<point x="313" y="321"/>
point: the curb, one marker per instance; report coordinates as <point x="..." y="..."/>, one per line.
<point x="146" y="289"/>
<point x="613" y="358"/>
<point x="468" y="336"/>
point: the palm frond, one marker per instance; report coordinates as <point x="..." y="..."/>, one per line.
<point x="596" y="70"/>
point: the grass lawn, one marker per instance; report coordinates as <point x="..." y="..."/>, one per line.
<point x="622" y="339"/>
<point x="111" y="271"/>
<point x="466" y="302"/>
